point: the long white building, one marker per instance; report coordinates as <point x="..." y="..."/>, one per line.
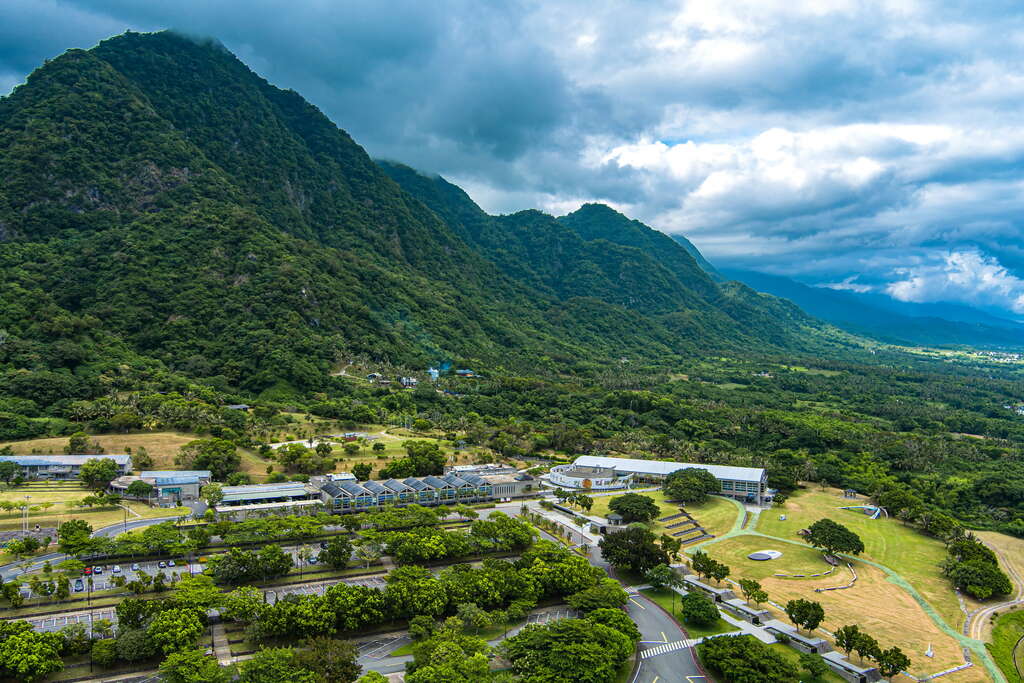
<point x="749" y="484"/>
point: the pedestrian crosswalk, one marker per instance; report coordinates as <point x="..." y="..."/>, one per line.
<point x="662" y="649"/>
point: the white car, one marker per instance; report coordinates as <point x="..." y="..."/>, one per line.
<point x="116" y="569"/>
<point x="170" y="563"/>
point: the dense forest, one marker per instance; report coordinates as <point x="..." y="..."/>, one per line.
<point x="176" y="235"/>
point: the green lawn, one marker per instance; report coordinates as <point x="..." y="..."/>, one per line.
<point x="795" y="559"/>
<point x="1009" y="628"/>
<point x="663" y="598"/>
<point x="717" y="515"/>
<point x="886" y="541"/>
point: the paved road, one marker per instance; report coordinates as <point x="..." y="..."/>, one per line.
<point x="9" y="571"/>
<point x="664" y="656"/>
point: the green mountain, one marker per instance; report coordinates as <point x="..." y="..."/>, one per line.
<point x="165" y="209"/>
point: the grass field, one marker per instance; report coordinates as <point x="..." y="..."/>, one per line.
<point x="887" y="541"/>
<point x="717" y="515"/>
<point x="794" y="560"/>
<point x="1008" y="631"/>
<point x="53" y="499"/>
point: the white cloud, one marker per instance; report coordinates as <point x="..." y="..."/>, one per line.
<point x="961" y="276"/>
<point x="849" y="284"/>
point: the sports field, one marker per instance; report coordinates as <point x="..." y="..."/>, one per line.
<point x="1007" y="644"/>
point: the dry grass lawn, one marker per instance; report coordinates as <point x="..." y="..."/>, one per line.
<point x="879" y="607"/>
<point x="913" y="555"/>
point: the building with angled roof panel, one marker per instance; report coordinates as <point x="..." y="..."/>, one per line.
<point x="749" y="484"/>
<point x="63" y="466"/>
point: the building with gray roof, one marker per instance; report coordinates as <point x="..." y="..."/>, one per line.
<point x="749" y="484"/>
<point x="63" y="466"/>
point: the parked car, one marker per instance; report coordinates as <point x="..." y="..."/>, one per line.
<point x="170" y="563"/>
<point x="162" y="565"/>
<point x="79" y="585"/>
<point x="314" y="559"/>
<point x="135" y="566"/>
<point x="323" y="545"/>
<point x="87" y="571"/>
<point x="116" y="569"/>
<point x="97" y="570"/>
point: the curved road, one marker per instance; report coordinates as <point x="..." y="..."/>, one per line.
<point x="9" y="571"/>
<point x="663" y="656"/>
<point x="978" y="621"/>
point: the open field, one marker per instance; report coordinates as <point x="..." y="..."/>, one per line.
<point x="795" y="559"/>
<point x="913" y="555"/>
<point x="717" y="515"/>
<point x="1008" y="631"/>
<point x="878" y="606"/>
<point x="1010" y="551"/>
<point x="54" y="497"/>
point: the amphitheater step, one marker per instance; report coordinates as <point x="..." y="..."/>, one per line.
<point x="699" y="538"/>
<point x="686" y="532"/>
<point x="671" y="517"/>
<point x="688" y="522"/>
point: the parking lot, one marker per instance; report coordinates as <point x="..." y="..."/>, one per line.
<point x="56" y="623"/>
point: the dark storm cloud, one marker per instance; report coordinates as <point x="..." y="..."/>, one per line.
<point x="871" y="144"/>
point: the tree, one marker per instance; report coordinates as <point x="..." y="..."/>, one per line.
<point x="805" y="614"/>
<point x="632" y="548"/>
<point x="372" y="676"/>
<point x="74" y="536"/>
<point x="273" y="665"/>
<point x="607" y="594"/>
<point x="133" y="645"/>
<point x="324" y="449"/>
<point x="846" y="638"/>
<point x="338" y="552"/>
<point x="833" y="538"/>
<point x="698" y="609"/>
<point x="27" y="655"/>
<point x="8" y="470"/>
<point x="379" y="447"/>
<point x="421" y="626"/>
<point x="332" y="660"/>
<point x="635" y="508"/>
<point x="892" y="662"/>
<point x="744" y="658"/>
<point x="198" y="593"/>
<point x="351" y="449"/>
<point x="140" y="489"/>
<point x="539" y="653"/>
<point x="616" y="619"/>
<point x="472" y="615"/>
<point x="813" y="664"/>
<point x="691" y="485"/>
<point x="213" y="494"/>
<point x="866" y="646"/>
<point x="220" y="456"/>
<point x="662" y="576"/>
<point x="79" y="444"/>
<point x="244" y="604"/>
<point x="753" y="592"/>
<point x="141" y="459"/>
<point x="362" y="471"/>
<point x="173" y="630"/>
<point x="97" y="473"/>
<point x="192" y="666"/>
<point x="368" y="552"/>
<point x="104" y="652"/>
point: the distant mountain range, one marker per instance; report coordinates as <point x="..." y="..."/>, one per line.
<point x="165" y="208"/>
<point x="884" y="318"/>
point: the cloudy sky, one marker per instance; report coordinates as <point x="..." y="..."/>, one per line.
<point x="871" y="146"/>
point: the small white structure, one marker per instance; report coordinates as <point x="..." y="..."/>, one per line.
<point x="590" y="478"/>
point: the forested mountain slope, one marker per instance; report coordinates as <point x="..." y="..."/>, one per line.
<point x="162" y="206"/>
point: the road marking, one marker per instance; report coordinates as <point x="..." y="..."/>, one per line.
<point x="637" y="603"/>
<point x="694" y="679"/>
<point x="663" y="638"/>
<point x="655" y="679"/>
<point x="663" y="649"/>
